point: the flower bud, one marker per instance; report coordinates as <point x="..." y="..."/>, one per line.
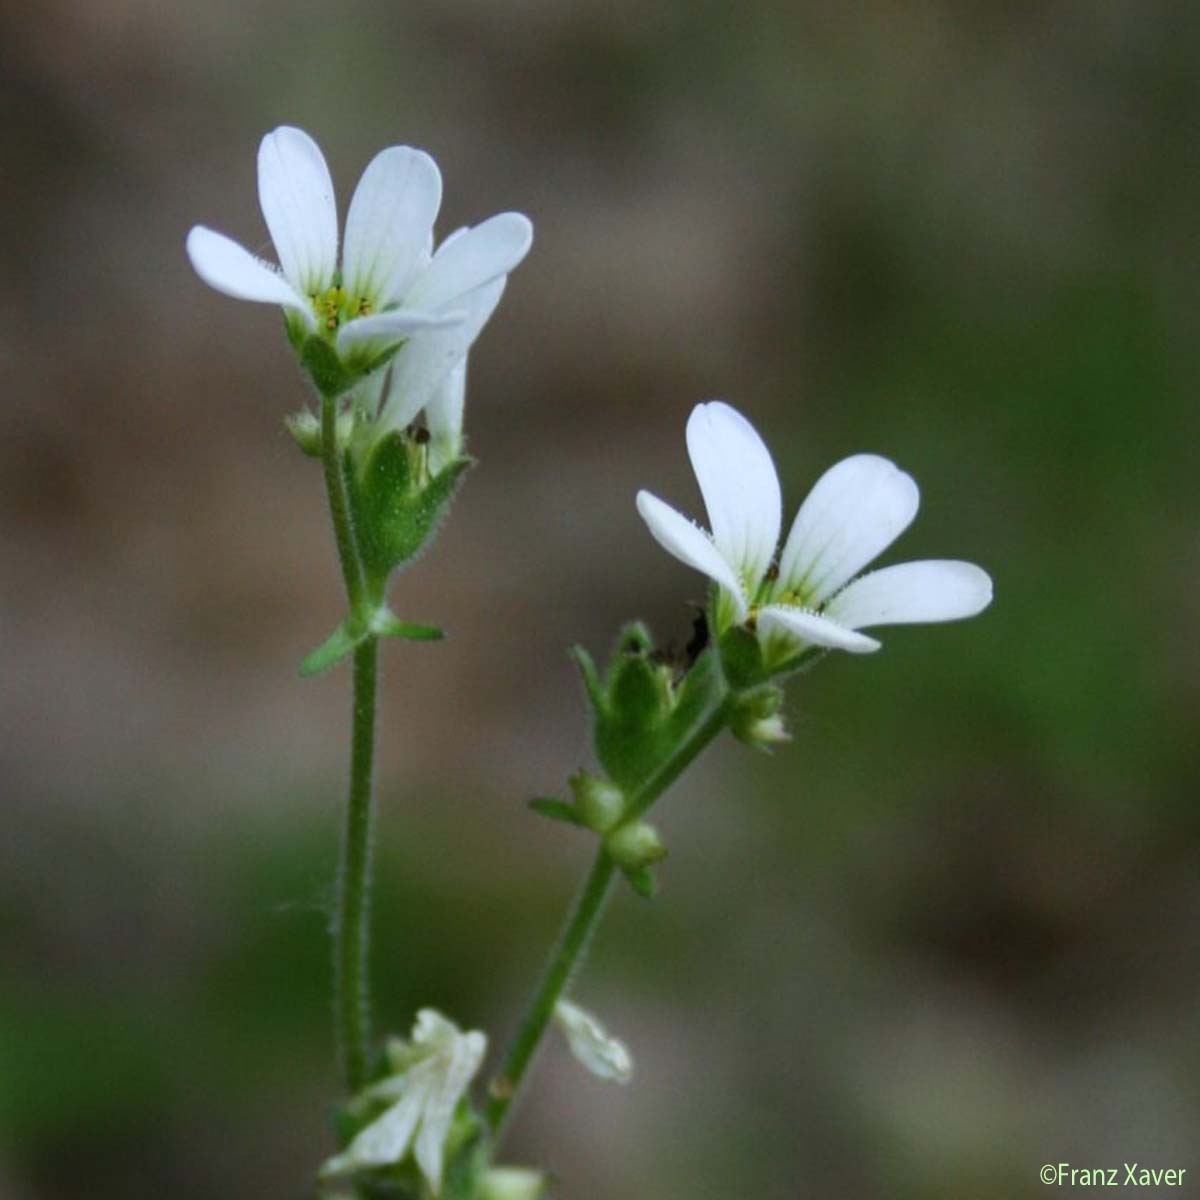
<point x="635" y="845"/>
<point x="512" y="1183"/>
<point x="757" y="720"/>
<point x="305" y="429"/>
<point x="601" y="804"/>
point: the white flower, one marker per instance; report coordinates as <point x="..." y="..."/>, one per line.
<point x="391" y="288"/>
<point x="812" y="598"/>
<point x="433" y="1072"/>
<point x="604" y="1055"/>
<point x="444" y="418"/>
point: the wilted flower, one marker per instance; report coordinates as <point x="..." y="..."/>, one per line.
<point x="604" y="1055"/>
<point x="391" y="289"/>
<point x="431" y="1075"/>
<point x="811" y="597"/>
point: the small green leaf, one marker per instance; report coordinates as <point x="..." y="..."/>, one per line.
<point x="643" y="881"/>
<point x="332" y="650"/>
<point x="555" y="809"/>
<point x="387" y="624"/>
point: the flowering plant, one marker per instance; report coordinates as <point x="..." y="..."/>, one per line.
<point x="384" y="339"/>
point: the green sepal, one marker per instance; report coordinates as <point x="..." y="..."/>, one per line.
<point x="341" y="642"/>
<point x="591" y="677"/>
<point x="555" y="809"/>
<point x="644" y="881"/>
<point x="639" y="693"/>
<point x="741" y="658"/>
<point x="646" y="714"/>
<point x="396" y="509"/>
<point x="331" y="377"/>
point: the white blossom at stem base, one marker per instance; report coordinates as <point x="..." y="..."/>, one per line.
<point x="433" y="1073"/>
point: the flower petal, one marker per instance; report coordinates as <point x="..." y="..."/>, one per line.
<point x="855" y="511"/>
<point x="296" y="196"/>
<point x="740" y="487"/>
<point x="691" y="545"/>
<point x="463" y="1059"/>
<point x="380" y="330"/>
<point x="387" y="1138"/>
<point x="424" y="361"/>
<point x="605" y="1056"/>
<point x="233" y="270"/>
<point x="367" y="393"/>
<point x="472" y="258"/>
<point x="388" y="225"/>
<point x="444" y="418"/>
<point x="812" y="628"/>
<point x="912" y="593"/>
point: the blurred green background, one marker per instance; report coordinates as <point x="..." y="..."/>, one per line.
<point x="947" y="935"/>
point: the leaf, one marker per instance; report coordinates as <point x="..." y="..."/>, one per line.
<point x="332" y="650"/>
<point x="387" y="624"/>
<point x="556" y="810"/>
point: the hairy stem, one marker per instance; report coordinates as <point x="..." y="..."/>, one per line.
<point x="339" y="504"/>
<point x="351" y="934"/>
<point x="584" y="917"/>
<point x="352" y="928"/>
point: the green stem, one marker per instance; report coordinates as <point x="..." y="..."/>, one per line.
<point x="352" y="929"/>
<point x="339" y="505"/>
<point x="351" y="938"/>
<point x="581" y="924"/>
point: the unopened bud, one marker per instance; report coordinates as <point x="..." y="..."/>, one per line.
<point x="601" y="804"/>
<point x="305" y="428"/>
<point x="758" y="721"/>
<point x="635" y="845"/>
<point x="306" y="431"/>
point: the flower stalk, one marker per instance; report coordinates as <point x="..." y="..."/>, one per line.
<point x="352" y="940"/>
<point x="351" y="932"/>
<point x="585" y="915"/>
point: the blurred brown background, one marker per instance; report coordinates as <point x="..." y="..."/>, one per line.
<point x="946" y="936"/>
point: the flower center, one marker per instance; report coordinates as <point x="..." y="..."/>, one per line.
<point x="335" y="305"/>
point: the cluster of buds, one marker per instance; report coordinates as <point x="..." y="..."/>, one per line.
<point x="599" y="805"/>
<point x="641" y="710"/>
